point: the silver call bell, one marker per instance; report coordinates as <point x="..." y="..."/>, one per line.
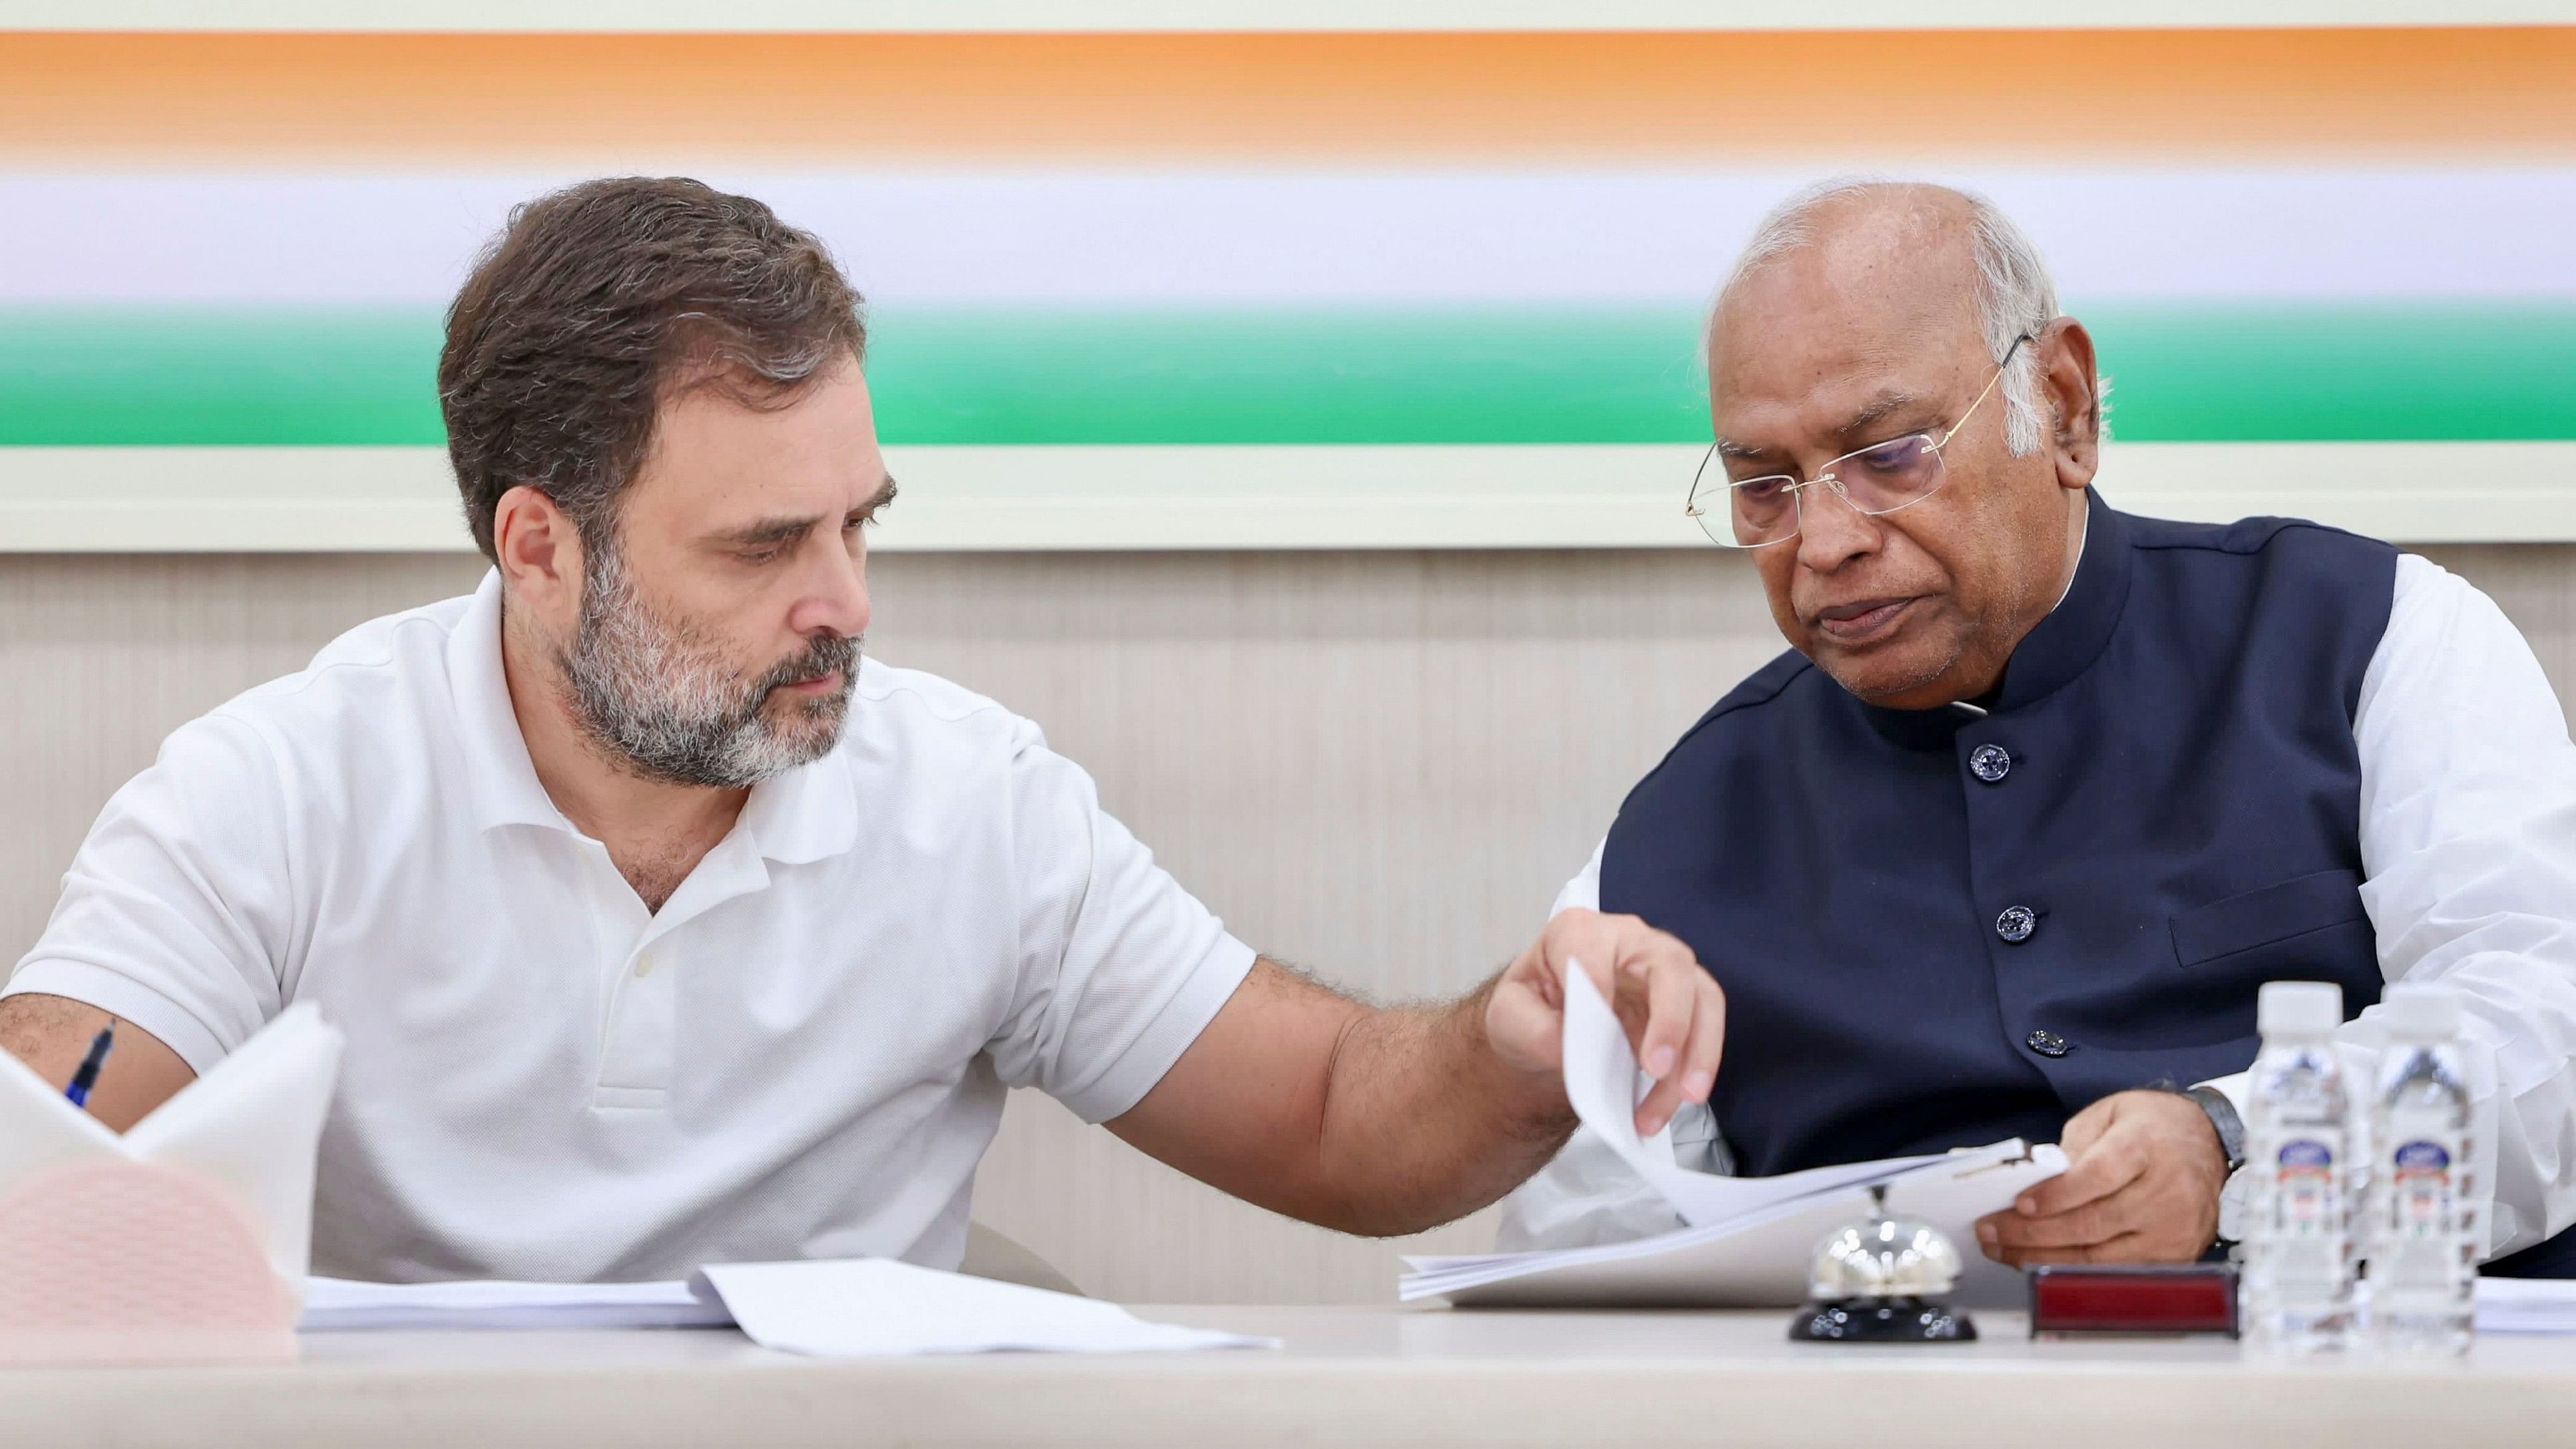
<point x="1882" y="1280"/>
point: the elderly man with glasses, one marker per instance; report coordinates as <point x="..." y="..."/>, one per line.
<point x="2043" y="792"/>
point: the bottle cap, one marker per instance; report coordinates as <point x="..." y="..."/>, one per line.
<point x="2298" y="1008"/>
<point x="2422" y="1013"/>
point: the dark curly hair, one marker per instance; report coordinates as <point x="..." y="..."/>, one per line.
<point x="598" y="303"/>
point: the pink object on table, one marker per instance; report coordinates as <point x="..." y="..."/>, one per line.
<point x="107" y="1260"/>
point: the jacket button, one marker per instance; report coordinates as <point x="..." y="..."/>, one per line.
<point x="2048" y="1043"/>
<point x="2016" y="923"/>
<point x="1990" y="763"/>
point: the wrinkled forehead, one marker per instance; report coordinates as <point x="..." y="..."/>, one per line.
<point x="1810" y="337"/>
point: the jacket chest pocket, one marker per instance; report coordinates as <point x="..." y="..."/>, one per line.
<point x="2311" y="923"/>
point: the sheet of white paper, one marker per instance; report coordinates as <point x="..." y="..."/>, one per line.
<point x="1604" y="1086"/>
<point x="1601" y="1078"/>
<point x="872" y="1307"/>
<point x="253" y="1124"/>
<point x="335" y="1305"/>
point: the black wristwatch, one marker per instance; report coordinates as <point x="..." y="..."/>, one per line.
<point x="2222" y="1116"/>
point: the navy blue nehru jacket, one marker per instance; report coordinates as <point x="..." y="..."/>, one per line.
<point x="1937" y="930"/>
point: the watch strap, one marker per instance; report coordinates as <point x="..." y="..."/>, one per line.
<point x="2222" y="1117"/>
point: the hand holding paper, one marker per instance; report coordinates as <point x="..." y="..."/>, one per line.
<point x="1748" y="1239"/>
<point x="1659" y="996"/>
<point x="2144" y="1174"/>
<point x="1601" y="1081"/>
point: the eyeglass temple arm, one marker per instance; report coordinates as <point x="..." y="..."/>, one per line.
<point x="2000" y="368"/>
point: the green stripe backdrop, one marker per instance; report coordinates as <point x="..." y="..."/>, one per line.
<point x="2347" y="372"/>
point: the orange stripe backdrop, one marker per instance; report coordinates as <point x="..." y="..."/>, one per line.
<point x="2093" y="97"/>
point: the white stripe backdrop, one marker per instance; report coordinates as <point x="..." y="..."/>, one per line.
<point x="1245" y="236"/>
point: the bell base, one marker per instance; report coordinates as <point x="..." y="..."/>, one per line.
<point x="1880" y="1320"/>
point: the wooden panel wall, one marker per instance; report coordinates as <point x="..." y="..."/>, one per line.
<point x="1379" y="765"/>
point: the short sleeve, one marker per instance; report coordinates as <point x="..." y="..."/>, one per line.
<point x="1119" y="968"/>
<point x="176" y="913"/>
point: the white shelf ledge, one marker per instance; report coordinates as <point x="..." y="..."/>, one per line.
<point x="308" y="500"/>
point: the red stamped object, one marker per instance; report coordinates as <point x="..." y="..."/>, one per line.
<point x="2185" y="1298"/>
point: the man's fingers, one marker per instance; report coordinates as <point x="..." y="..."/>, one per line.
<point x="1669" y="1007"/>
<point x="1707" y="1038"/>
<point x="2110" y="1164"/>
<point x="1585" y="940"/>
<point x="2094" y="1222"/>
<point x="2086" y="1128"/>
<point x="1670" y="1003"/>
<point x="2127" y="1248"/>
<point x="1668" y="1030"/>
<point x="1658" y="1107"/>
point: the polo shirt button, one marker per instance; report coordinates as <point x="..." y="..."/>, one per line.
<point x="2048" y="1043"/>
<point x="1990" y="763"/>
<point x="643" y="966"/>
<point x="2016" y="923"/>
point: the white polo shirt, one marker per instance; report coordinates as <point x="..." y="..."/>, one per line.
<point x="803" y="1054"/>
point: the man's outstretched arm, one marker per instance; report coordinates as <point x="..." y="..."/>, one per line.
<point x="1391" y="1120"/>
<point x="52" y="1034"/>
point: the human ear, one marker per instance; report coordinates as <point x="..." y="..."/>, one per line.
<point x="2067" y="380"/>
<point x="539" y="553"/>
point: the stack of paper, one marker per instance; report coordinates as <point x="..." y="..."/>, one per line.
<point x="1748" y="1240"/>
<point x="1759" y="1258"/>
<point x="867" y="1307"/>
<point x="2526" y="1305"/>
<point x="335" y="1305"/>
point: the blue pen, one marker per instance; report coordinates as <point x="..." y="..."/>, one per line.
<point x="87" y="1077"/>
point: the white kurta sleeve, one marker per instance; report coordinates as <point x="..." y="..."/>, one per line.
<point x="2468" y="844"/>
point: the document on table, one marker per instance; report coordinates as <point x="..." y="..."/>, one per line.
<point x="334" y="1305"/>
<point x="876" y="1307"/>
<point x="868" y="1307"/>
<point x="1748" y="1240"/>
<point x="2526" y="1305"/>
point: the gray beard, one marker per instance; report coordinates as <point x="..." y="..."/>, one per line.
<point x="661" y="701"/>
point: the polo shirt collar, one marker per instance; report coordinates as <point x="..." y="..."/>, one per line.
<point x="500" y="780"/>
<point x="808" y="814"/>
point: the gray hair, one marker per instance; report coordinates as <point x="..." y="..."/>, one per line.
<point x="2016" y="297"/>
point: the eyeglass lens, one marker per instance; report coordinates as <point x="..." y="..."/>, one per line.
<point x="1877" y="479"/>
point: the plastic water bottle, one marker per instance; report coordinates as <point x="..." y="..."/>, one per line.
<point x="2298" y="1248"/>
<point x="2424" y="1228"/>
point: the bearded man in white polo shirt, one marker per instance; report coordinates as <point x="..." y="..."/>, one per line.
<point x="666" y="930"/>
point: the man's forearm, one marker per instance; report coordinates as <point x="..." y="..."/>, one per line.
<point x="1423" y="1123"/>
<point x="51" y="1033"/>
<point x="1384" y="1121"/>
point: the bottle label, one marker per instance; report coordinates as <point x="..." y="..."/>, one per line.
<point x="2420" y="1190"/>
<point x="2307" y="1197"/>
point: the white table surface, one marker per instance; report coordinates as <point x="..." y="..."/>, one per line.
<point x="1347" y="1376"/>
